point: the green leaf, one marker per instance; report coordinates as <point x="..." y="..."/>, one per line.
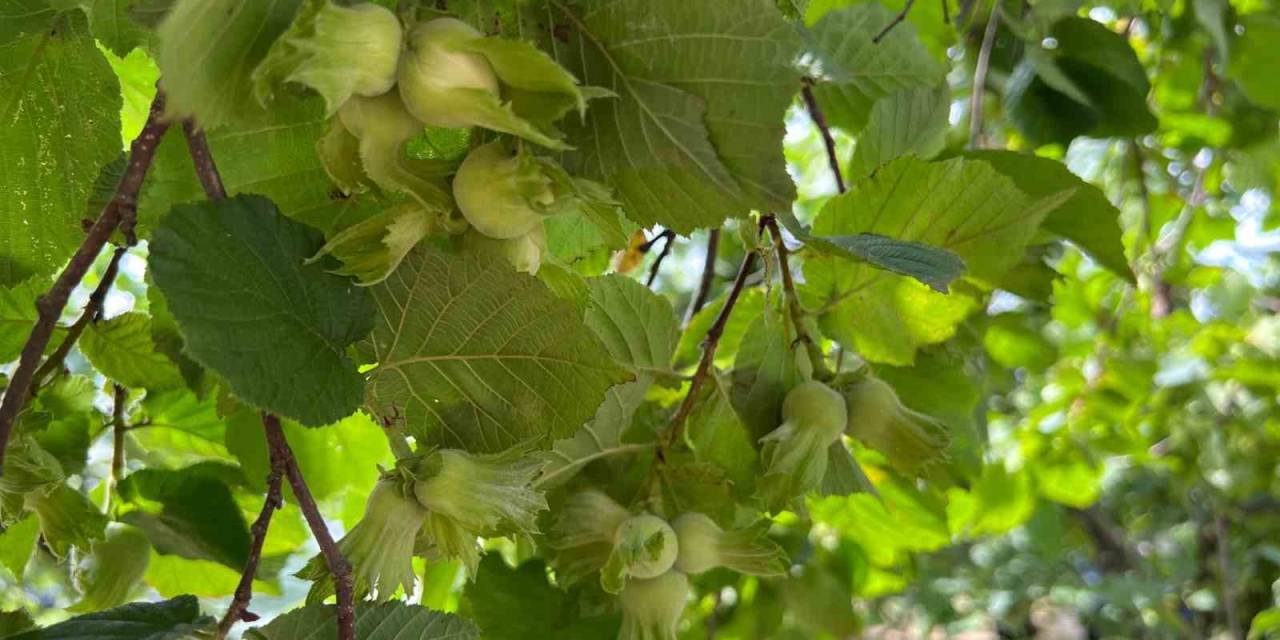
<point x="271" y="153"/>
<point x="276" y="329"/>
<point x="695" y="134"/>
<point x="763" y="372"/>
<point x="173" y="619"/>
<point x="178" y="428"/>
<point x="18" y="315"/>
<point x="911" y="121"/>
<point x="717" y="434"/>
<point x="1254" y="63"/>
<point x="172" y="575"/>
<point x="1091" y="83"/>
<point x="197" y="516"/>
<point x="896" y="520"/>
<point x="345" y="456"/>
<point x="997" y="502"/>
<point x="386" y="621"/>
<point x="67" y="518"/>
<point x="855" y="72"/>
<point x="1087" y="218"/>
<point x="21" y="18"/>
<point x="638" y="328"/>
<point x="16" y="544"/>
<point x="111" y="24"/>
<point x="14" y="622"/>
<point x="932" y="266"/>
<point x="749" y="307"/>
<point x="962" y="206"/>
<point x="59" y="124"/>
<point x="207" y="53"/>
<point x="544" y="611"/>
<point x="472" y="354"/>
<point x="121" y="349"/>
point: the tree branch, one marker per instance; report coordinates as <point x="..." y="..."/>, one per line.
<point x="120" y="212"/>
<point x="206" y="170"/>
<point x="119" y="397"/>
<point x="339" y="567"/>
<point x="794" y="307"/>
<point x="239" y="609"/>
<point x="978" y="93"/>
<point x="92" y="313"/>
<point x="897" y="20"/>
<point x="657" y="262"/>
<point x="708" y="277"/>
<point x="820" y="121"/>
<point x="709" y="344"/>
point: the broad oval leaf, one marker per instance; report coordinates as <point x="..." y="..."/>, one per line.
<point x="472" y="354"/>
<point x="275" y="328"/>
<point x="695" y="132"/>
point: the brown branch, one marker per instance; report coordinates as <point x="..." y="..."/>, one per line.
<point x="978" y="93"/>
<point x="339" y="567"/>
<point x="657" y="262"/>
<point x="239" y="609"/>
<point x="119" y="397"/>
<point x="206" y="170"/>
<point x="820" y="121"/>
<point x="709" y="344"/>
<point x="92" y="313"/>
<point x="708" y="277"/>
<point x="795" y="309"/>
<point x="120" y="212"/>
<point x="897" y="20"/>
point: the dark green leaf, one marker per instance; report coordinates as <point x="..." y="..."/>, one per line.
<point x="386" y="621"/>
<point x="175" y="619"/>
<point x="198" y="518"/>
<point x="233" y="274"/>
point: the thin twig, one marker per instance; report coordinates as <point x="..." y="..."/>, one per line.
<point x="657" y="262"/>
<point x="206" y="170"/>
<point x="1221" y="540"/>
<point x="946" y="13"/>
<point x="708" y="277"/>
<point x="976" y="97"/>
<point x="239" y="609"/>
<point x="709" y="344"/>
<point x="119" y="397"/>
<point x="794" y="307"/>
<point x="820" y="121"/>
<point x="92" y="313"/>
<point x="339" y="567"/>
<point x="120" y="212"/>
<point x="897" y="20"/>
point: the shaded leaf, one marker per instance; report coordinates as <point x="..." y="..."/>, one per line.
<point x="386" y="621"/>
<point x="473" y="354"/>
<point x="695" y="132"/>
<point x="174" y="619"/>
<point x="276" y="329"/>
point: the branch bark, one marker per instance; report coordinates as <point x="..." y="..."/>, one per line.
<point x="120" y="212"/>
<point x="339" y="567"/>
<point x="657" y="262"/>
<point x="206" y="170"/>
<point x="708" y="277"/>
<point x="978" y="94"/>
<point x="92" y="313"/>
<point x="897" y="20"/>
<point x="820" y="121"/>
<point x="239" y="609"/>
<point x="794" y="308"/>
<point x="119" y="397"/>
<point x="709" y="344"/>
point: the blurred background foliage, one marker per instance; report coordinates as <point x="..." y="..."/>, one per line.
<point x="1114" y="472"/>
